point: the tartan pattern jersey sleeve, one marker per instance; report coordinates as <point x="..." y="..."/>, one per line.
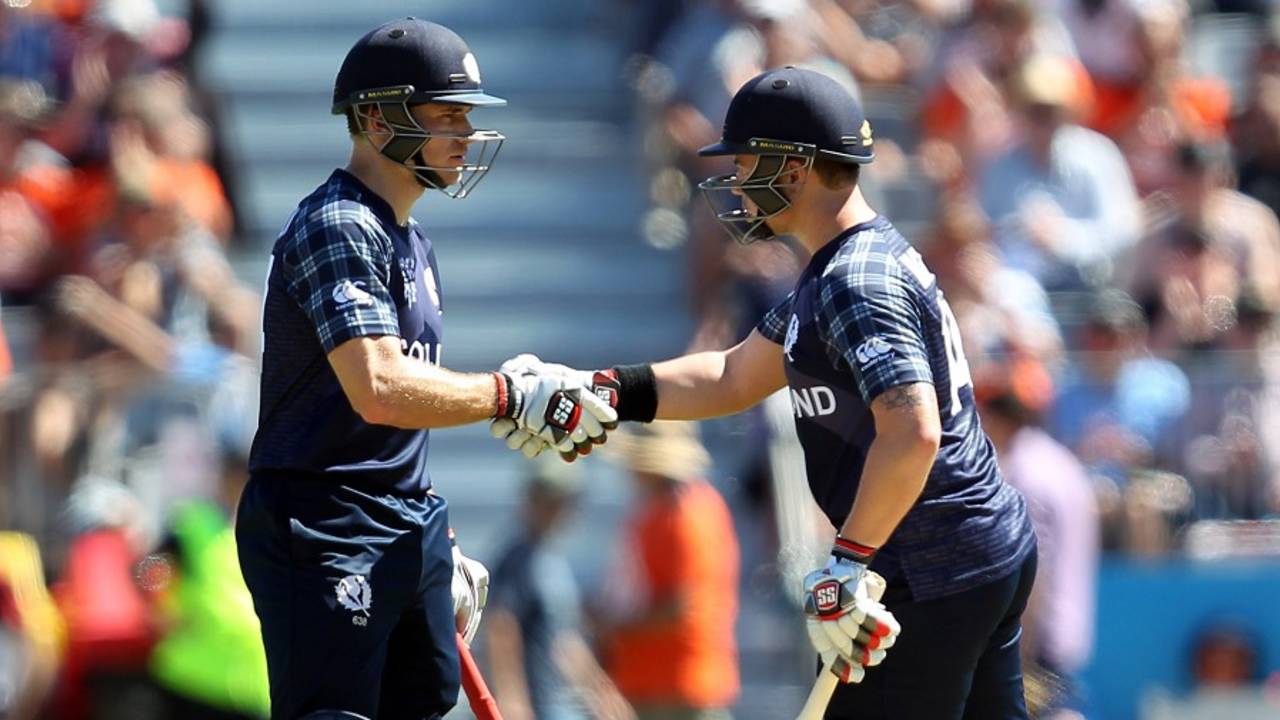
<point x="773" y="326"/>
<point x="870" y="320"/>
<point x="337" y="269"/>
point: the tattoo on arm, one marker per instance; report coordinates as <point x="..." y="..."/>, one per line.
<point x="903" y="397"/>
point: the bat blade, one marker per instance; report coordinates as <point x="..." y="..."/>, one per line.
<point x="478" y="695"/>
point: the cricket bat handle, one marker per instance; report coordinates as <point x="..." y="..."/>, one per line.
<point x="482" y="702"/>
<point x="820" y="696"/>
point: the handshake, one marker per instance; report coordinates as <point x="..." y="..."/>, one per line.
<point x="545" y="405"/>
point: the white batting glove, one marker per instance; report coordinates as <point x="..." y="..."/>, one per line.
<point x="846" y="623"/>
<point x="584" y="408"/>
<point x="470" y="591"/>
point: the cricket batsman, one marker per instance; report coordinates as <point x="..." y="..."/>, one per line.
<point x="884" y="408"/>
<point x="344" y="547"/>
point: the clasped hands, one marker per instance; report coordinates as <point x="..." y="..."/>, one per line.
<point x="556" y="407"/>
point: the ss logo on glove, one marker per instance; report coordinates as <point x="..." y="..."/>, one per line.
<point x="827" y="596"/>
<point x="565" y="411"/>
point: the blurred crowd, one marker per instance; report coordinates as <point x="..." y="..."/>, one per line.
<point x="1094" y="182"/>
<point x="127" y="392"/>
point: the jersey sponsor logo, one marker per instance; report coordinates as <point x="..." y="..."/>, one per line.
<point x="348" y="293"/>
<point x="422" y="352"/>
<point x="355" y="594"/>
<point x="793" y="334"/>
<point x="409" y="279"/>
<point x="872" y="350"/>
<point x="810" y="402"/>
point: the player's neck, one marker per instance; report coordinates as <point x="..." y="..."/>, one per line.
<point x="393" y="184"/>
<point x="829" y="215"/>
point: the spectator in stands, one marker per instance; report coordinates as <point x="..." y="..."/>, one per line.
<point x="32" y="632"/>
<point x="109" y="624"/>
<point x="1256" y="131"/>
<point x="1117" y="405"/>
<point x="540" y="664"/>
<point x="209" y="662"/>
<point x="1061" y="198"/>
<point x="965" y="113"/>
<point x="28" y="253"/>
<point x="1230" y="447"/>
<point x="1164" y="104"/>
<point x="1058" y="627"/>
<point x="876" y="42"/>
<point x="29" y="46"/>
<point x="671" y="599"/>
<point x="157" y="253"/>
<point x="175" y="147"/>
<point x="999" y="309"/>
<point x="1225" y="656"/>
<point x="1209" y="246"/>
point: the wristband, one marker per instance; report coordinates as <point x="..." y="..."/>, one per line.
<point x="637" y="393"/>
<point x="846" y="549"/>
<point x="504" y="407"/>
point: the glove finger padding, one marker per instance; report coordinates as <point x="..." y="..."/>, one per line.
<point x="840" y="640"/>
<point x="502" y="428"/>
<point x="845" y="671"/>
<point x="528" y="444"/>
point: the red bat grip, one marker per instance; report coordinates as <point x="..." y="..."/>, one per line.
<point x="482" y="702"/>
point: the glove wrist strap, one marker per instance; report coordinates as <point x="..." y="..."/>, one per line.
<point x="637" y="392"/>
<point x="509" y="399"/>
<point x="846" y="549"/>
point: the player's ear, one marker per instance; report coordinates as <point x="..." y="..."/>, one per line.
<point x="797" y="171"/>
<point x="370" y="118"/>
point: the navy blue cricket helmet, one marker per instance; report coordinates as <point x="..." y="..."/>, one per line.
<point x="779" y="115"/>
<point x="410" y="62"/>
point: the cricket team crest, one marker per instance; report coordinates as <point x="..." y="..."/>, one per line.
<point x="355" y="594"/>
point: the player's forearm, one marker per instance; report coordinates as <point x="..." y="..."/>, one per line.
<point x="696" y="386"/>
<point x="892" y="480"/>
<point x="715" y="383"/>
<point x="898" y="463"/>
<point x="385" y="387"/>
<point x="419" y="395"/>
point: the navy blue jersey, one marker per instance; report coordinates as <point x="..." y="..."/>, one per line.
<point x="866" y="316"/>
<point x="342" y="268"/>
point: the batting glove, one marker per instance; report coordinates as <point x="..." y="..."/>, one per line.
<point x="470" y="591"/>
<point x="600" y="399"/>
<point x="847" y="625"/>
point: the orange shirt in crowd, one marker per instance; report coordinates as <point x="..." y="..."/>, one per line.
<point x="686" y="547"/>
<point x="78" y="203"/>
<point x="1202" y="106"/>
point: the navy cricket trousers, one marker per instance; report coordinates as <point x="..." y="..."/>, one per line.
<point x="956" y="659"/>
<point x="352" y="587"/>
